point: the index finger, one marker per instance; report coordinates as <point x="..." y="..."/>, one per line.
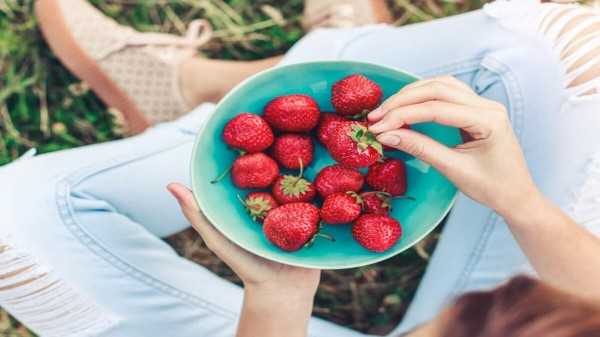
<point x="430" y="91"/>
<point x="475" y="121"/>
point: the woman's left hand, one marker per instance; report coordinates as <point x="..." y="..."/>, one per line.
<point x="257" y="273"/>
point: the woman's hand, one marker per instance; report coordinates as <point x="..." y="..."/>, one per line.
<point x="489" y="166"/>
<point x="256" y="273"/>
<point x="277" y="298"/>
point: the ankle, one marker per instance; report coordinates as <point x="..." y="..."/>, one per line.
<point x="206" y="80"/>
<point x="198" y="82"/>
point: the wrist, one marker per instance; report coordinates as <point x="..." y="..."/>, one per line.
<point x="270" y="313"/>
<point x="288" y="297"/>
<point x="520" y="209"/>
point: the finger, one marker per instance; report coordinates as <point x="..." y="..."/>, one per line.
<point x="475" y="121"/>
<point x="421" y="147"/>
<point x="211" y="236"/>
<point x="378" y="113"/>
<point x="448" y="79"/>
<point x="431" y="91"/>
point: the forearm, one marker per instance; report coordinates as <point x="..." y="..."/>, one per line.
<point x="268" y="314"/>
<point x="561" y="251"/>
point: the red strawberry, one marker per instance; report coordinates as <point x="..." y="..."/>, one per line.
<point x="292" y="226"/>
<point x="258" y="204"/>
<point x="292" y="113"/>
<point x="288" y="189"/>
<point x="353" y="145"/>
<point x="387" y="175"/>
<point x="340" y="208"/>
<point x="376" y="203"/>
<point x="338" y="178"/>
<point x="327" y="123"/>
<point x="248" y="132"/>
<point x="376" y="232"/>
<point x="291" y="148"/>
<point x="355" y="95"/>
<point x="256" y="170"/>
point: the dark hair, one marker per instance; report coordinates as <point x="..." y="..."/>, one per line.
<point x="524" y="307"/>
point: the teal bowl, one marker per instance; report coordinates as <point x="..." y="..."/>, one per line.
<point x="434" y="194"/>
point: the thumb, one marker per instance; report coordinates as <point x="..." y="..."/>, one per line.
<point x="421" y="147"/>
<point x="186" y="200"/>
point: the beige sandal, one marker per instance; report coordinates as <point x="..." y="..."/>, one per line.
<point x="137" y="73"/>
<point x="344" y="14"/>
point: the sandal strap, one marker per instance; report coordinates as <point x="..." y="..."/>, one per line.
<point x="199" y="32"/>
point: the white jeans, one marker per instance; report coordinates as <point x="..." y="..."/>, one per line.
<point x="80" y="247"/>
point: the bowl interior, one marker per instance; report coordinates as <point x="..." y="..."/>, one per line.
<point x="434" y="194"/>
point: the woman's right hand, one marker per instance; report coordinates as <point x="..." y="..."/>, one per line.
<point x="489" y="166"/>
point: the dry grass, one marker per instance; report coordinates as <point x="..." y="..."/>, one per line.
<point x="43" y="106"/>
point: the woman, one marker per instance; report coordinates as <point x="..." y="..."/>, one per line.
<point x="493" y="151"/>
<point x="81" y="253"/>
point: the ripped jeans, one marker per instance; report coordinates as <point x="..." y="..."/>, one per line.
<point x="80" y="230"/>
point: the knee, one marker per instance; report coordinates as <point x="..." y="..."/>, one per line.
<point x="44" y="301"/>
<point x="574" y="33"/>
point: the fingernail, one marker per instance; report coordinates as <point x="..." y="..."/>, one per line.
<point x="173" y="193"/>
<point x="375" y="113"/>
<point x="390" y="140"/>
<point x="373" y="128"/>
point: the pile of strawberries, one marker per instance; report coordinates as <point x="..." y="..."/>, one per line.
<point x="282" y="138"/>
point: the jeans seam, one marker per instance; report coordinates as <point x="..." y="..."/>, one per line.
<point x="475" y="256"/>
<point x="514" y="92"/>
<point x="515" y="110"/>
<point x="70" y="221"/>
<point x="455" y="68"/>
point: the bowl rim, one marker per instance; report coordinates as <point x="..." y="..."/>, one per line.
<point x="304" y="264"/>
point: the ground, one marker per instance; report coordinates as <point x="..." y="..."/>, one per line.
<point x="42" y="106"/>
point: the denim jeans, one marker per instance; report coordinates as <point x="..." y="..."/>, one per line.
<point x="80" y="230"/>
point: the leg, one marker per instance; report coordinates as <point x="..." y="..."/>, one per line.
<point x="552" y="113"/>
<point x="107" y="217"/>
<point x="552" y="107"/>
<point x="154" y="77"/>
<point x="222" y="75"/>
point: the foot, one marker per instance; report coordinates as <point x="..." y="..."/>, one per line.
<point x="345" y="13"/>
<point x="137" y="73"/>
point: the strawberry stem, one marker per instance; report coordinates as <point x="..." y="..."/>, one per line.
<point x="329" y="237"/>
<point x="222" y="174"/>
<point x="404" y="197"/>
<point x="301" y="172"/>
<point x="382" y="193"/>
<point x="362" y="115"/>
<point x="312" y="240"/>
<point x="241" y="200"/>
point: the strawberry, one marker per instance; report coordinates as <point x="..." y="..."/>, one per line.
<point x="287" y="189"/>
<point x="355" y="95"/>
<point x="338" y="178"/>
<point x="376" y="203"/>
<point x="290" y="149"/>
<point x="258" y="204"/>
<point x="340" y="208"/>
<point x="248" y="132"/>
<point x="376" y="232"/>
<point x="256" y="170"/>
<point x="387" y="175"/>
<point x="327" y="123"/>
<point x="353" y="145"/>
<point x="292" y="113"/>
<point x="293" y="226"/>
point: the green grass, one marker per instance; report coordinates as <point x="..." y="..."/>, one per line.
<point x="43" y="106"/>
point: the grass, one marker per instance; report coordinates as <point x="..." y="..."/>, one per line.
<point x="43" y="106"/>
